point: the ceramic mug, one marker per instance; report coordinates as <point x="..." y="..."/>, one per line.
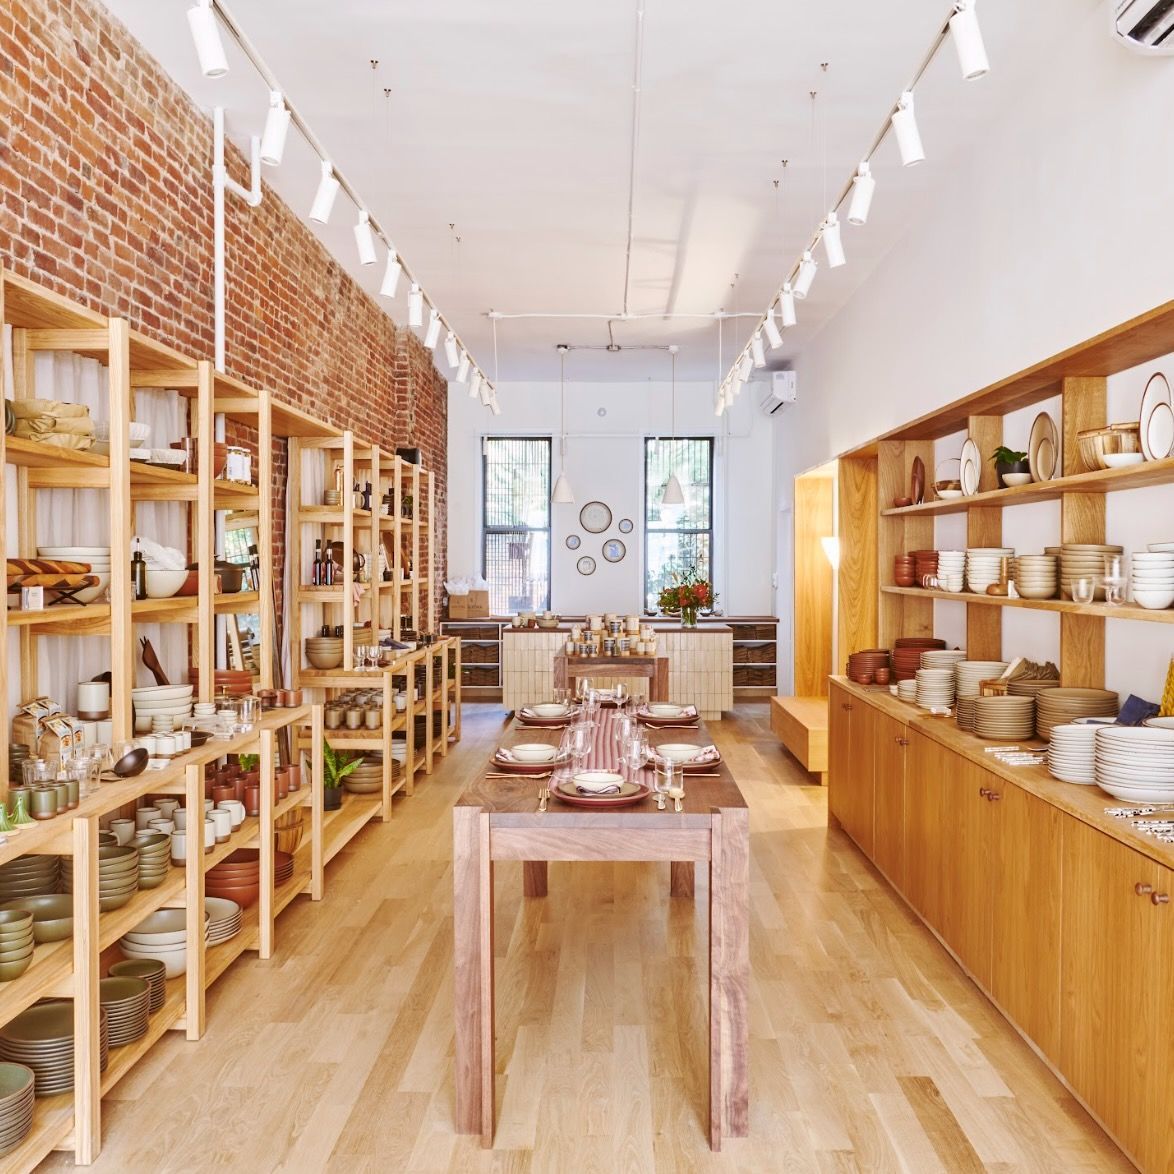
<point x="124" y="830"/>
<point x="209" y="835"/>
<point x="236" y="812"/>
<point x="167" y="807"/>
<point x="179" y="846"/>
<point x="180" y="817"/>
<point x="222" y="822"/>
<point x="166" y="826"/>
<point x="43" y="802"/>
<point x="144" y="815"/>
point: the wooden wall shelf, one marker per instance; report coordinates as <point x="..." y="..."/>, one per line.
<point x="1100" y="611"/>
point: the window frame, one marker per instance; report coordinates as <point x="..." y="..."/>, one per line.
<point x="548" y="529"/>
<point x="650" y="529"/>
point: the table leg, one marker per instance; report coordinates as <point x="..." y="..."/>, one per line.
<point x="534" y="878"/>
<point x="681" y="882"/>
<point x="729" y="976"/>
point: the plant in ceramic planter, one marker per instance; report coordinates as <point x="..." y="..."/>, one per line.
<point x="1011" y="463"/>
<point x="336" y="766"/>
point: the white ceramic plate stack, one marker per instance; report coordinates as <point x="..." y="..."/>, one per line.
<point x="127" y="1004"/>
<point x="942" y="658"/>
<point x="1084" y="561"/>
<point x="935" y="688"/>
<point x="224" y="919"/>
<point x="907" y="690"/>
<point x="1043" y="448"/>
<point x="1037" y="576"/>
<point x="156" y="701"/>
<point x="951" y="569"/>
<point x="984" y="565"/>
<point x="98" y="558"/>
<point x="969" y="674"/>
<point x="1136" y="764"/>
<point x="964" y="712"/>
<point x="1056" y="707"/>
<point x="1072" y="754"/>
<point x="1157" y="419"/>
<point x="1153" y="579"/>
<point x="1005" y="719"/>
<point x="161" y="937"/>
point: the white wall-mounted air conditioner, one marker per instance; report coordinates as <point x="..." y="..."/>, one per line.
<point x="1145" y="26"/>
<point x="781" y="391"/>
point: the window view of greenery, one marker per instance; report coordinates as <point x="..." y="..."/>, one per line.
<point x="515" y="530"/>
<point x="677" y="538"/>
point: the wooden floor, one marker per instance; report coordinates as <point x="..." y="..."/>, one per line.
<point x="870" y="1050"/>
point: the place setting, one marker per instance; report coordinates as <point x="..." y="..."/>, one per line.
<point x="529" y="758"/>
<point x="666" y="715"/>
<point x="548" y="713"/>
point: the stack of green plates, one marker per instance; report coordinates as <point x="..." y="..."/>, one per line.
<point x="42" y="1039"/>
<point x="118" y="876"/>
<point x="154" y="858"/>
<point x="52" y="915"/>
<point x="125" y="1002"/>
<point x="29" y="876"/>
<point x="16" y="1105"/>
<point x="152" y="972"/>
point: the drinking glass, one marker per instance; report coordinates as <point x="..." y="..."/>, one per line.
<point x="1083" y="590"/>
<point x="1115" y="579"/>
<point x="560" y="696"/>
<point x="674" y="780"/>
<point x="636" y="750"/>
<point x="623" y="727"/>
<point x="621" y="694"/>
<point x="580" y="744"/>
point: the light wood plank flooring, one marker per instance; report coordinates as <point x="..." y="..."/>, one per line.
<point x="870" y="1050"/>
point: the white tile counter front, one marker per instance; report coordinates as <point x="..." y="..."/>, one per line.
<point x="700" y="670"/>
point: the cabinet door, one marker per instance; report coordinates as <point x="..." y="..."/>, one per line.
<point x="925" y="766"/>
<point x="1115" y="986"/>
<point x="839" y="749"/>
<point x="857" y="818"/>
<point x="1026" y="880"/>
<point x="891" y="738"/>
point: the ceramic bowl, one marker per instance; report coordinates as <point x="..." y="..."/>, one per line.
<point x="1153" y="600"/>
<point x="52" y="915"/>
<point x="534" y="752"/>
<point x="678" y="751"/>
<point x="549" y="709"/>
<point x="164" y="584"/>
<point x="15" y="921"/>
<point x="175" y="958"/>
<point x="1016" y="478"/>
<point x="663" y="709"/>
<point x="598" y="781"/>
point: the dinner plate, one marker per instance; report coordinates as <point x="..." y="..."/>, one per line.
<point x="1159" y="431"/>
<point x="971" y="469"/>
<point x="630" y="793"/>
<point x="528" y="768"/>
<point x="1042" y="448"/>
<point x="529" y="719"/>
<point x="917" y="481"/>
<point x="1157" y="392"/>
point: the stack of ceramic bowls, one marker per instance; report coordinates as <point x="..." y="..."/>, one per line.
<point x="127" y="1004"/>
<point x="1153" y="579"/>
<point x="964" y="712"/>
<point x="1084" y="561"/>
<point x="903" y="569"/>
<point x="1055" y="707"/>
<point x="1022" y="687"/>
<point x="29" y="876"/>
<point x="1136" y="763"/>
<point x="951" y="569"/>
<point x="367" y="777"/>
<point x="154" y="857"/>
<point x="1037" y="576"/>
<point x="925" y="565"/>
<point x="118" y="876"/>
<point x="984" y="566"/>
<point x="52" y="916"/>
<point x="224" y="919"/>
<point x="935" y="688"/>
<point x="16" y="1105"/>
<point x="324" y="652"/>
<point x="16" y="943"/>
<point x="151" y="971"/>
<point x="41" y="1038"/>
<point x="907" y="652"/>
<point x="97" y="558"/>
<point x="942" y="658"/>
<point x="161" y="937"/>
<point x="1072" y="754"/>
<point x="969" y="675"/>
<point x="907" y="690"/>
<point x="237" y="877"/>
<point x="862" y="665"/>
<point x="161" y="701"/>
<point x="1004" y="719"/>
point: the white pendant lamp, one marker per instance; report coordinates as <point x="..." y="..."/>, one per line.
<point x="673" y="493"/>
<point x="206" y="36"/>
<point x="832" y="246"/>
<point x="324" y="196"/>
<point x="365" y="239"/>
<point x="771" y="329"/>
<point x="276" y="130"/>
<point x="391" y="274"/>
<point x="968" y="43"/>
<point x="562" y="495"/>
<point x="451" y="354"/>
<point x="433" y="335"/>
<point x="415" y="306"/>
<point x="806" y="275"/>
<point x="863" y="186"/>
<point x="904" y="122"/>
<point x="787" y="314"/>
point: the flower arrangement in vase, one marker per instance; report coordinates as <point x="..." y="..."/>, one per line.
<point x="687" y="594"/>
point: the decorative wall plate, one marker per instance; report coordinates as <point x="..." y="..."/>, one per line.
<point x="917" y="481"/>
<point x="614" y="550"/>
<point x="595" y="517"/>
<point x="1043" y="448"/>
<point x="626" y="526"/>
<point x="586" y="565"/>
<point x="573" y="541"/>
<point x="970" y="472"/>
<point x="1156" y="418"/>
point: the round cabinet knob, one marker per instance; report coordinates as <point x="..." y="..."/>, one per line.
<point x="994" y="796"/>
<point x="1142" y="889"/>
<point x="1160" y="898"/>
<point x="984" y="792"/>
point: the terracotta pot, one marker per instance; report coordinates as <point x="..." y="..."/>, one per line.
<point x="281" y="782"/>
<point x="252" y="800"/>
<point x="238" y="787"/>
<point x="295" y="698"/>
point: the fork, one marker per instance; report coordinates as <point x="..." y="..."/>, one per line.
<point x="543" y="796"/>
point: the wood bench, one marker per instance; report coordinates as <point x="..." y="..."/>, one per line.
<point x="801" y="724"/>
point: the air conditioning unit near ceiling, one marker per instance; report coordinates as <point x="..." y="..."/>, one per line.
<point x="1145" y="26"/>
<point x="780" y="391"/>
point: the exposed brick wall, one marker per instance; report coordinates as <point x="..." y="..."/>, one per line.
<point x="105" y="178"/>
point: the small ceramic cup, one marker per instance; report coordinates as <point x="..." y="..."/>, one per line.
<point x="144" y="815"/>
<point x="167" y="807"/>
<point x="166" y="826"/>
<point x="179" y="846"/>
<point x="180" y="816"/>
<point x="222" y="822"/>
<point x="124" y="829"/>
<point x="43" y="802"/>
<point x="209" y="835"/>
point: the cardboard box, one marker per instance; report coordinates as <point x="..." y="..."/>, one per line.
<point x="473" y="606"/>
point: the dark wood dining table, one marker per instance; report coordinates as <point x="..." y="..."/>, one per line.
<point x="498" y="818"/>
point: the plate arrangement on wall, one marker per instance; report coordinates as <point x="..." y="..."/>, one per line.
<point x="595" y="517"/>
<point x="970" y="472"/>
<point x="614" y="550"/>
<point x="626" y="526"/>
<point x="586" y="565"/>
<point x="1157" y="419"/>
<point x="574" y="542"/>
<point x="1043" y="448"/>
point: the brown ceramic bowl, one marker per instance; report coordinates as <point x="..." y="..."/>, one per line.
<point x="881" y="676"/>
<point x="243" y="895"/>
<point x="901" y="502"/>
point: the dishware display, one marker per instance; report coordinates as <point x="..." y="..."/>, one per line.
<point x="29" y="876"/>
<point x="862" y="665"/>
<point x="16" y="943"/>
<point x="1156" y="418"/>
<point x="970" y="469"/>
<point x="118" y="875"/>
<point x="52" y="915"/>
<point x="1043" y="448"/>
<point x="935" y="688"/>
<point x="1135" y="763"/>
<point x="17" y="1097"/>
<point x="1097" y="445"/>
<point x="163" y="584"/>
<point x="1037" y="576"/>
<point x="907" y="653"/>
<point x="1063" y="705"/>
<point x="126" y="1003"/>
<point x="224" y="920"/>
<point x="907" y="690"/>
<point x="1006" y="719"/>
<point x="984" y="566"/>
<point x="41" y="1038"/>
<point x="152" y="971"/>
<point x="1072" y="754"/>
<point x="942" y="658"/>
<point x="97" y="558"/>
<point x="950" y="569"/>
<point x="324" y="652"/>
<point x="970" y="674"/>
<point x="1153" y="579"/>
<point x="1084" y="561"/>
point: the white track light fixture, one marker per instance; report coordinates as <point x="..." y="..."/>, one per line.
<point x="787" y="315"/>
<point x="463" y="367"/>
<point x="415" y="306"/>
<point x="475" y="385"/>
<point x="365" y="239"/>
<point x="485" y="391"/>
<point x="324" y="197"/>
<point x="904" y="122"/>
<point x="206" y="35"/>
<point x="719" y="405"/>
<point x="493" y="405"/>
<point x="433" y="335"/>
<point x="832" y="245"/>
<point x="673" y="493"/>
<point x="745" y="365"/>
<point x="276" y="130"/>
<point x="807" y="268"/>
<point x="968" y="44"/>
<point x="772" y="331"/>
<point x="451" y="354"/>
<point x="563" y="494"/>
<point x="391" y="274"/>
<point x="757" y="349"/>
<point x="863" y="186"/>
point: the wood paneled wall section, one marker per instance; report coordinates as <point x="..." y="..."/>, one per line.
<point x="815" y="519"/>
<point x="858" y="591"/>
<point x="984" y="527"/>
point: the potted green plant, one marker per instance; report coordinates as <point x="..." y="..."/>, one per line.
<point x="250" y="765"/>
<point x="1012" y="466"/>
<point x="335" y="767"/>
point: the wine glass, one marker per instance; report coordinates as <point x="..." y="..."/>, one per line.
<point x="1114" y="579"/>
<point x="580" y="744"/>
<point x="583" y="688"/>
<point x="621" y="694"/>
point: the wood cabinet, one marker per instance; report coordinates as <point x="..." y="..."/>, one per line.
<point x="927" y="764"/>
<point x="851" y="763"/>
<point x="840" y="709"/>
<point x="890" y="742"/>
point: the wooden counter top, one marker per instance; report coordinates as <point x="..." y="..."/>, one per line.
<point x="658" y="626"/>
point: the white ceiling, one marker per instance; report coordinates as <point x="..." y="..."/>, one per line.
<point x="511" y="120"/>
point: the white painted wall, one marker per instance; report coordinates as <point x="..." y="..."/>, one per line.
<point x="605" y="455"/>
<point x="1054" y="230"/>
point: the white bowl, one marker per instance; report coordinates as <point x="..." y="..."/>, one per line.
<point x="174" y="958"/>
<point x="678" y="751"/>
<point x="1016" y="478"/>
<point x="1161" y="547"/>
<point x="534" y="752"/>
<point x="164" y="584"/>
<point x="1154" y="600"/>
<point x="550" y="709"/>
<point x="664" y="709"/>
<point x="162" y="692"/>
<point x="74" y="552"/>
<point x="1119" y="460"/>
<point x="597" y="781"/>
<point x="92" y="593"/>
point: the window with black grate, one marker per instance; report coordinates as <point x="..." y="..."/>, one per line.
<point x="515" y="523"/>
<point x="677" y="538"/>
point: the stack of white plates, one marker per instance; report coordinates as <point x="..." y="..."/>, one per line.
<point x="964" y="710"/>
<point x="1153" y="579"/>
<point x="951" y="569"/>
<point x="907" y="690"/>
<point x="969" y="674"/>
<point x="96" y="557"/>
<point x="1005" y="719"/>
<point x="157" y="701"/>
<point x="1084" y="560"/>
<point x="1136" y="764"/>
<point x="224" y="919"/>
<point x="984" y="566"/>
<point x="1037" y="576"/>
<point x="1071" y="755"/>
<point x="1055" y="707"/>
<point x="942" y="658"/>
<point x="935" y="688"/>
